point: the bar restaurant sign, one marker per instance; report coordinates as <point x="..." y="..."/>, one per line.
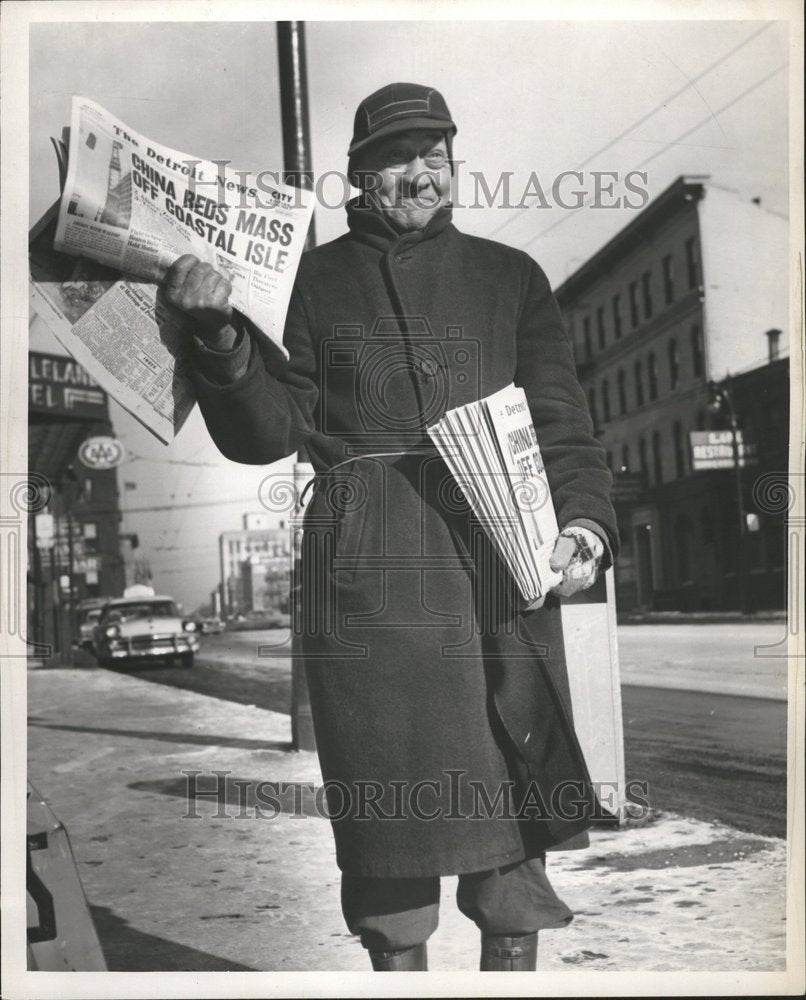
<point x="60" y="387"/>
<point x="714" y="450"/>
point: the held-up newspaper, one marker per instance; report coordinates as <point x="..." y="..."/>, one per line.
<point x="491" y="449"/>
<point x="129" y="208"/>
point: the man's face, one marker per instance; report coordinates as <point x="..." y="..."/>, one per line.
<point x="412" y="176"/>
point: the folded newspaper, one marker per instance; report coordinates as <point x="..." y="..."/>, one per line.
<point x="491" y="449"/>
<point x="129" y="208"/>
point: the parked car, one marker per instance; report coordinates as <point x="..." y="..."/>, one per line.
<point x="211" y="626"/>
<point x="87" y="616"/>
<point x="259" y="619"/>
<point x="133" y="629"/>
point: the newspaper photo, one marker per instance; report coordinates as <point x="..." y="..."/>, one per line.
<point x="137" y="206"/>
<point x="129" y="340"/>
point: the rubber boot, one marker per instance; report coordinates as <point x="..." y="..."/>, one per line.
<point x="414" y="959"/>
<point x="504" y="953"/>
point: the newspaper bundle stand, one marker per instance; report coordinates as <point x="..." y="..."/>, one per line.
<point x="492" y="451"/>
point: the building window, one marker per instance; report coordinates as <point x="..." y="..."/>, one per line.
<point x="605" y="401"/>
<point x="90" y="533"/>
<point x="668" y="279"/>
<point x="657" y="462"/>
<point x="617" y="316"/>
<point x="592" y="405"/>
<point x="586" y="336"/>
<point x="653" y="377"/>
<point x="679" y="456"/>
<point x="622" y="392"/>
<point x="625" y="458"/>
<point x="634" y="304"/>
<point x="642" y="466"/>
<point x="639" y="384"/>
<point x="674" y="364"/>
<point x="773" y="345"/>
<point x="692" y="268"/>
<point x="646" y="287"/>
<point x="696" y="351"/>
<point x="600" y="326"/>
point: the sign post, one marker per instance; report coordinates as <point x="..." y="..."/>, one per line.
<point x="728" y="452"/>
<point x="298" y="171"/>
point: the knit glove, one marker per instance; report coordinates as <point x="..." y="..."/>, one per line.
<point x="577" y="555"/>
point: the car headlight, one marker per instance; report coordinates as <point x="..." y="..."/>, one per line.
<point x="189" y="626"/>
<point x="112" y="632"/>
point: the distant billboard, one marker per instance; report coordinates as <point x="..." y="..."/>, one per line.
<point x="59" y="387"/>
<point x="715" y="450"/>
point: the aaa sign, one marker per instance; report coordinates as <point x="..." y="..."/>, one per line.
<point x="101" y="453"/>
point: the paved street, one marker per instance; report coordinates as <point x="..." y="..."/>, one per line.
<point x="714" y="756"/>
<point x="737" y="658"/>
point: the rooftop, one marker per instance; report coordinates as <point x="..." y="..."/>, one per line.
<point x="687" y="188"/>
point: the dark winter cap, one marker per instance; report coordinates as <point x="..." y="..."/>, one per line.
<point x="399" y="107"/>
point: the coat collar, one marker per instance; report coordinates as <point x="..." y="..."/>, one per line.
<point x="370" y="226"/>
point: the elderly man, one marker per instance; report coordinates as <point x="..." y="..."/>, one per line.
<point x="440" y="703"/>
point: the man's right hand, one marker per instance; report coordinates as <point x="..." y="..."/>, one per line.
<point x="203" y="293"/>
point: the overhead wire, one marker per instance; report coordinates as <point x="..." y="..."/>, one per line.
<point x="662" y="104"/>
<point x="735" y="100"/>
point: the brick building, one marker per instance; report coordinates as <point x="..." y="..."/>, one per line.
<point x="694" y="290"/>
<point x="83" y="560"/>
<point x="255" y="567"/>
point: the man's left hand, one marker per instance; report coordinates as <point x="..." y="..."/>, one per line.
<point x="577" y="555"/>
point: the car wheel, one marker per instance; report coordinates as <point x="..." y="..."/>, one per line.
<point x="186" y="659"/>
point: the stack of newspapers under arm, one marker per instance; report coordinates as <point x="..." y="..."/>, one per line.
<point x="491" y="449"/>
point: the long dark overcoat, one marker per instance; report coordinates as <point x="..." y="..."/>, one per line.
<point x="440" y="706"/>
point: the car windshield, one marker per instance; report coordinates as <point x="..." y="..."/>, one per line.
<point x="142" y="609"/>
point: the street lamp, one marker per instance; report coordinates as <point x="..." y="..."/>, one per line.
<point x="721" y="402"/>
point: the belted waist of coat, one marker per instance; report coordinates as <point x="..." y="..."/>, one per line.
<point x="322" y="476"/>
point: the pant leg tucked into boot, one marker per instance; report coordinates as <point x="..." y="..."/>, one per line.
<point x="394" y="917"/>
<point x="510" y="905"/>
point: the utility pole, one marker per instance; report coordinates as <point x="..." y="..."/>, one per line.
<point x="298" y="172"/>
<point x="297" y="164"/>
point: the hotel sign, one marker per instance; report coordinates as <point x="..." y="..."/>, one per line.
<point x="715" y="450"/>
<point x="60" y="387"/>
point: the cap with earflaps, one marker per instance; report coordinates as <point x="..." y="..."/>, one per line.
<point x="399" y="107"/>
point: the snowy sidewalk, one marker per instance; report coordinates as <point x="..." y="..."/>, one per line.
<point x="168" y="892"/>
